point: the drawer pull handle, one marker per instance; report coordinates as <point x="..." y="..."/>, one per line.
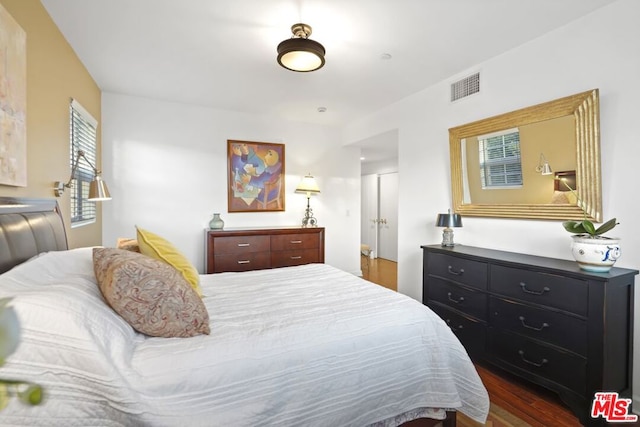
<point x="243" y="245"/>
<point x="525" y="360"/>
<point x="459" y="327"/>
<point x="455" y="273"/>
<point x="244" y="262"/>
<point x="524" y="289"/>
<point x="544" y="325"/>
<point x="295" y="242"/>
<point x="296" y="257"/>
<point x="457" y="301"/>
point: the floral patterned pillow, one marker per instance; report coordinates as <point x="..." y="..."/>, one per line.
<point x="153" y="297"/>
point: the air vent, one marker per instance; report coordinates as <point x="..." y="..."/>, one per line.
<point x="465" y="87"/>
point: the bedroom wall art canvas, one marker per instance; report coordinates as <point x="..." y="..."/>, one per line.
<point x="13" y="102"/>
<point x="255" y="176"/>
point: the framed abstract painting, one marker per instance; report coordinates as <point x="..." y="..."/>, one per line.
<point x="255" y="176"/>
<point x="13" y="102"/>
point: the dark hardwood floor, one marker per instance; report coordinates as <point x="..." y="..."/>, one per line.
<point x="534" y="405"/>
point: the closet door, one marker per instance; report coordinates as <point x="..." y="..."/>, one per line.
<point x="369" y="211"/>
<point x="388" y="217"/>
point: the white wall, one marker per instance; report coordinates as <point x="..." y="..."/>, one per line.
<point x="381" y="167"/>
<point x="165" y="164"/>
<point x="601" y="51"/>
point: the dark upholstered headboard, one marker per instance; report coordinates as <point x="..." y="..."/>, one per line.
<point x="29" y="227"/>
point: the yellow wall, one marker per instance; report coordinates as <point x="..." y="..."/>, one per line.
<point x="54" y="76"/>
<point x="554" y="138"/>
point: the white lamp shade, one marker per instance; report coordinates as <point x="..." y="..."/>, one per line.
<point x="302" y="61"/>
<point x="308" y="185"/>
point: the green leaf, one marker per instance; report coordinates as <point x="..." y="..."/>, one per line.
<point x="589" y="227"/>
<point x="4" y="395"/>
<point x="32" y="395"/>
<point x="574" y="227"/>
<point x="607" y="226"/>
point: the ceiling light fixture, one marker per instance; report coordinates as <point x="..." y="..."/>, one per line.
<point x="299" y="53"/>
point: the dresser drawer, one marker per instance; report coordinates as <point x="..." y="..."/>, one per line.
<point x="470" y="331"/>
<point x="288" y="242"/>
<point x="240" y="244"/>
<point x="561" y="367"/>
<point x="549" y="326"/>
<point x="294" y="257"/>
<point x="467" y="300"/>
<point x="241" y="262"/>
<point x="460" y="270"/>
<point x="560" y="292"/>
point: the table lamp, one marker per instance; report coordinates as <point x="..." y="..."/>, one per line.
<point x="448" y="220"/>
<point x="309" y="187"/>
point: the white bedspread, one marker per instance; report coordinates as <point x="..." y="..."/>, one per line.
<point x="299" y="346"/>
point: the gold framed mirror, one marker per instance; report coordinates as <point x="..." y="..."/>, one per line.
<point x="558" y="150"/>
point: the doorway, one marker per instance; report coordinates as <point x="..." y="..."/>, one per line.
<point x="379" y="216"/>
<point x="379" y="201"/>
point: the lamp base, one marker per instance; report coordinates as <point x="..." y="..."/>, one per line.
<point x="309" y="220"/>
<point x="447" y="237"/>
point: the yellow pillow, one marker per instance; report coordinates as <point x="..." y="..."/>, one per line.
<point x="156" y="247"/>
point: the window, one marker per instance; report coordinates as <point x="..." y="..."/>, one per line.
<point x="82" y="129"/>
<point x="500" y="164"/>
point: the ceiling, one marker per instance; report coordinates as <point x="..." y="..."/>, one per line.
<point x="222" y="54"/>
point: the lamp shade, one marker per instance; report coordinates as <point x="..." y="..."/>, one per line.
<point x="299" y="53"/>
<point x="546" y="169"/>
<point x="308" y="186"/>
<point x="449" y="220"/>
<point x="98" y="190"/>
<point x="543" y="166"/>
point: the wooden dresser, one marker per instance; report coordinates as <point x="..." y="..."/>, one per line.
<point x="542" y="319"/>
<point x="259" y="248"/>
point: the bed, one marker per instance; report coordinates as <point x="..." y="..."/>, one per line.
<point x="308" y="345"/>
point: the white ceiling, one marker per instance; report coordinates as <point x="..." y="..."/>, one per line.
<point x="222" y="54"/>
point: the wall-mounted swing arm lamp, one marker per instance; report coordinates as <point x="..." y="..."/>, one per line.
<point x="98" y="190"/>
<point x="543" y="166"/>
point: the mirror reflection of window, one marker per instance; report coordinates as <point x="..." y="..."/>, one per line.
<point x="500" y="159"/>
<point x="566" y="130"/>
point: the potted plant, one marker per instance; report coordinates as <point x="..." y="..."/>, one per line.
<point x="591" y="250"/>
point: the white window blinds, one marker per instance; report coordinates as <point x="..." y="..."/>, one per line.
<point x="82" y="130"/>
<point x="500" y="164"/>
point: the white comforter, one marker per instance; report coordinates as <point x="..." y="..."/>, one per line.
<point x="299" y="346"/>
